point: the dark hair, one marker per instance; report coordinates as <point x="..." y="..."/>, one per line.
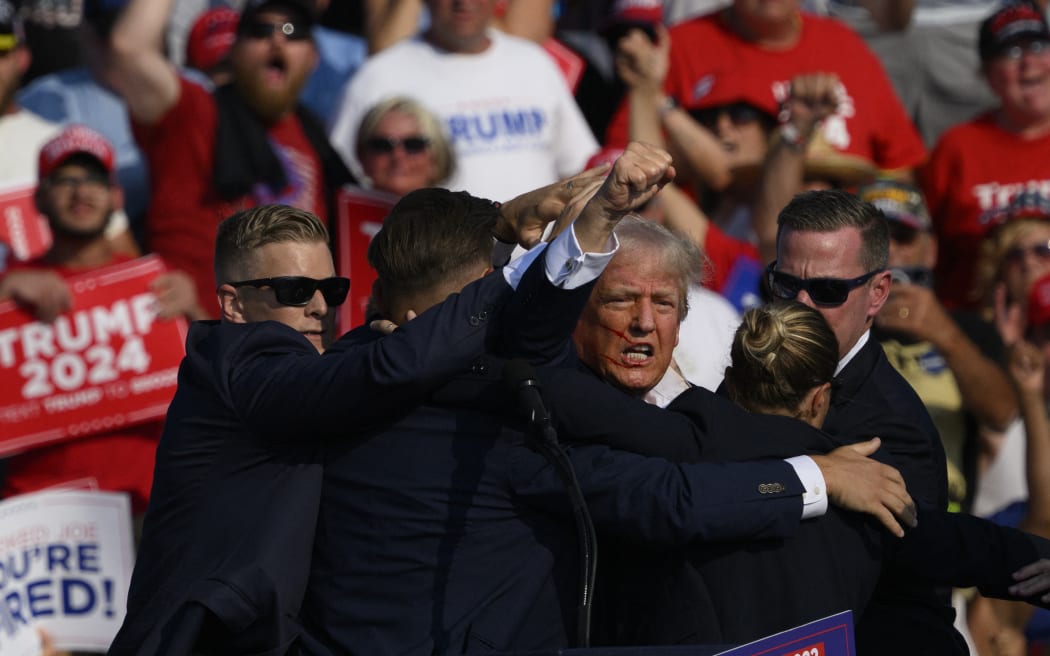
<point x="832" y="210"/>
<point x="432" y="236"/>
<point x="242" y="233"/>
<point x="779" y="353"/>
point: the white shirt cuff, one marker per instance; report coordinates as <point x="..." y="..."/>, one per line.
<point x="568" y="267"/>
<point x="516" y="268"/>
<point x="815" y="497"/>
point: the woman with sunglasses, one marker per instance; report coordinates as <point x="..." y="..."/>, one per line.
<point x="401" y="147"/>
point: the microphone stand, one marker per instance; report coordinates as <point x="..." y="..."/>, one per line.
<point x="544" y="439"/>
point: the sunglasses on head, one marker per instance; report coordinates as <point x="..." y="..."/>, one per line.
<point x="412" y="145"/>
<point x="263" y="30"/>
<point x="824" y="292"/>
<point x="1015" y="255"/>
<point x="298" y="290"/>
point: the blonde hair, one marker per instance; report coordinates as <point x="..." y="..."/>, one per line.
<point x="429" y="126"/>
<point x="780" y="352"/>
<point x="240" y="234"/>
<point x="993" y="252"/>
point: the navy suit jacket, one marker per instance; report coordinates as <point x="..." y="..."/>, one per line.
<point x="906" y="615"/>
<point x="444" y="533"/>
<point x="732" y="592"/>
<point x="737" y="592"/>
<point x="228" y="534"/>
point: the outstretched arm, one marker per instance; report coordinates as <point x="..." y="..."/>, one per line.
<point x="136" y="66"/>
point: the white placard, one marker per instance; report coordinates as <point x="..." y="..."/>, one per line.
<point x="65" y="564"/>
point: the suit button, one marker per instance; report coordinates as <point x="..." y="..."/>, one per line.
<point x="479" y="367"/>
<point x="474" y="321"/>
<point x="483" y="315"/>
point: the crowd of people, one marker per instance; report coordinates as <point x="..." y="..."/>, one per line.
<point x="737" y="239"/>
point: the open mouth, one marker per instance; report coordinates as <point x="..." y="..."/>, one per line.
<point x="637" y="354"/>
<point x="276" y="68"/>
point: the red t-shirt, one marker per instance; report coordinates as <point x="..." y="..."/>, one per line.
<point x="710" y="65"/>
<point x="724" y="252"/>
<point x="121" y="461"/>
<point x="184" y="209"/>
<point x="976" y="170"/>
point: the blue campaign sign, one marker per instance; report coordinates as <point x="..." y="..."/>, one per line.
<point x="831" y="636"/>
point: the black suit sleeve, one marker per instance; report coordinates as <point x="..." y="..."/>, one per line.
<point x="652" y="500"/>
<point x="280" y="388"/>
<point x="966" y="551"/>
<point x="698" y="425"/>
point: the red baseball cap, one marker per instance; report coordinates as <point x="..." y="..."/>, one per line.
<point x="636" y="12"/>
<point x="1039" y="302"/>
<point x="75" y="140"/>
<point x="211" y="38"/>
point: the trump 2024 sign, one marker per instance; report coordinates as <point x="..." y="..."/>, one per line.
<point x="106" y="364"/>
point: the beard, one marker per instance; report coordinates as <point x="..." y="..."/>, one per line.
<point x="78" y="233"/>
<point x="269" y="103"/>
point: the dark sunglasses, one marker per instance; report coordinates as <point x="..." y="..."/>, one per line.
<point x="824" y="292"/>
<point x="739" y="113"/>
<point x="263" y="30"/>
<point x="386" y="145"/>
<point x="1016" y="254"/>
<point x="298" y="290"/>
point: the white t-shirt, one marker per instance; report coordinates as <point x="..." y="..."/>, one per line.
<point x="23" y="133"/>
<point x="705" y="337"/>
<point x="513" y="123"/>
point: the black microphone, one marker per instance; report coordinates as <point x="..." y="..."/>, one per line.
<point x="520" y="375"/>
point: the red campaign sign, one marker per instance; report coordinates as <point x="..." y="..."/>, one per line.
<point x="22" y="227"/>
<point x="359" y="216"/>
<point x="570" y="64"/>
<point x="106" y="364"/>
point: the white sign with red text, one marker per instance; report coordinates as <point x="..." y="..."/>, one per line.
<point x="106" y="364"/>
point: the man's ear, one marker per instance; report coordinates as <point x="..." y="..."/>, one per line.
<point x="230" y="304"/>
<point x="879" y="292"/>
<point x="816" y="404"/>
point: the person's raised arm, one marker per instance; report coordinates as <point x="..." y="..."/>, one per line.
<point x="813" y="98"/>
<point x="390" y="21"/>
<point x="136" y="66"/>
<point x="637" y="176"/>
<point x="983" y="384"/>
<point x="1027" y="368"/>
<point x="642" y="65"/>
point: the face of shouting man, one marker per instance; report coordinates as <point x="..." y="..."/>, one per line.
<point x="272" y="60"/>
<point x="629" y="329"/>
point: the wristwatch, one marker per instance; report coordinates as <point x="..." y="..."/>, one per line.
<point x="667" y="105"/>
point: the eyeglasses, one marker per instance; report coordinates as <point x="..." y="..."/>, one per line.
<point x="298" y="290"/>
<point x="1015" y="255"/>
<point x="68" y="183"/>
<point x="824" y="292"/>
<point x="263" y="30"/>
<point x="739" y="113"/>
<point x="413" y="145"/>
<point x="1015" y="52"/>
